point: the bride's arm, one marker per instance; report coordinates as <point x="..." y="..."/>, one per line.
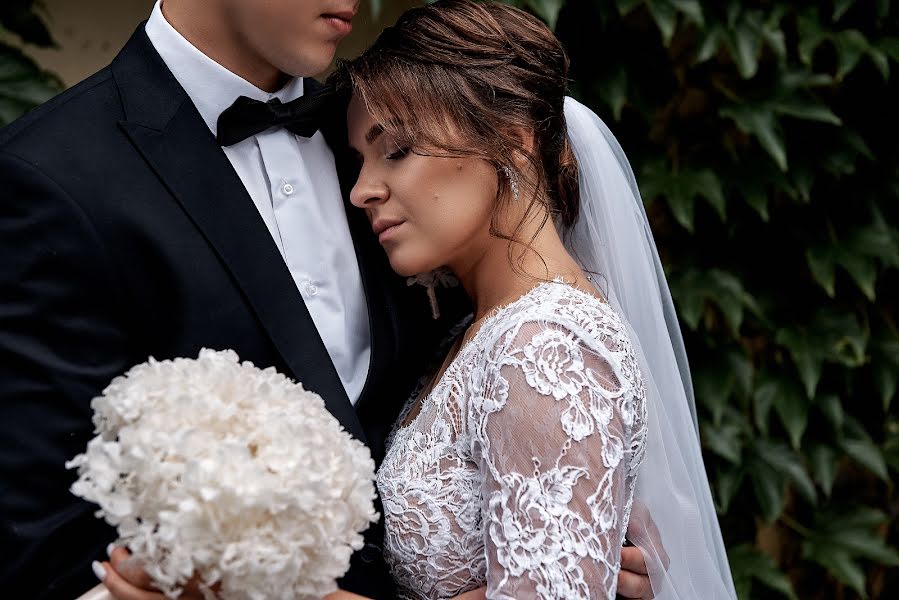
<point x="550" y="429"/>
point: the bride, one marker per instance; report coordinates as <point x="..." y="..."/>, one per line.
<point x="560" y="424"/>
<point x="559" y="419"/>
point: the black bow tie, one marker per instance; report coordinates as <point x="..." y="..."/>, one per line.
<point x="247" y="117"/>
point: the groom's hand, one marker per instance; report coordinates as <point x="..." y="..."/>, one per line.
<point x="633" y="579"/>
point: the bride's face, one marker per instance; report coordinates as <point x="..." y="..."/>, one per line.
<point x="428" y="211"/>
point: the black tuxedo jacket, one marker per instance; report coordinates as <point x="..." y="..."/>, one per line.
<point x="124" y="234"/>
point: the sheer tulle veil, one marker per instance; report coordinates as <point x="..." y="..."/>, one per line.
<point x="673" y="519"/>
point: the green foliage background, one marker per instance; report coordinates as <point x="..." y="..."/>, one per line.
<point x="764" y="138"/>
<point x="23" y="84"/>
<point x="763" y="134"/>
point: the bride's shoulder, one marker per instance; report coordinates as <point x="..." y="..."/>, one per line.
<point x="559" y="306"/>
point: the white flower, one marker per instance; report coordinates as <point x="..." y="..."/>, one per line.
<point x="553" y="364"/>
<point x="215" y="467"/>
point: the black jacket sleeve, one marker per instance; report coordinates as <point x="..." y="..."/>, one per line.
<point x="63" y="337"/>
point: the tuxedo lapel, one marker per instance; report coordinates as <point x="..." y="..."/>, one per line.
<point x="167" y="130"/>
<point x="378" y="279"/>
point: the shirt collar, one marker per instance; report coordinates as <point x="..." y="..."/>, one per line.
<point x="211" y="87"/>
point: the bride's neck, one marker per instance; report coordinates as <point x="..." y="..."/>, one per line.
<point x="495" y="276"/>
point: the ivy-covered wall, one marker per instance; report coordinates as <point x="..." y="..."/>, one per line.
<point x="764" y="138"/>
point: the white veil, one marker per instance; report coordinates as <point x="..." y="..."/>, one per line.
<point x="673" y="520"/>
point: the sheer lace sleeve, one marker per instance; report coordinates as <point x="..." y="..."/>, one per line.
<point x="551" y="423"/>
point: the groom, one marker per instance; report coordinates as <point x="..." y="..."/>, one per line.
<point x="141" y="216"/>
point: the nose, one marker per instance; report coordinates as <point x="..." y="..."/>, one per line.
<point x="368" y="191"/>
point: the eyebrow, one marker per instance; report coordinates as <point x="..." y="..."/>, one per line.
<point x="373" y="134"/>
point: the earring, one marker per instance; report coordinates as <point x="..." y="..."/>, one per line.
<point x="442" y="277"/>
<point x="512" y="176"/>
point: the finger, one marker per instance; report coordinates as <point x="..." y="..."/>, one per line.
<point x="130" y="569"/>
<point x="632" y="560"/>
<point x="632" y="585"/>
<point x="122" y="589"/>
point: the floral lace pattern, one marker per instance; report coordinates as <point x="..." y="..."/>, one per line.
<point x="518" y="471"/>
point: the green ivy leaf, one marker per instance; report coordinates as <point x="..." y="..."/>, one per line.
<point x="693" y="289"/>
<point x="788" y="463"/>
<point x="840" y="7"/>
<point x="727" y="483"/>
<point x="745" y="45"/>
<point x="665" y="16"/>
<point x="890" y="47"/>
<point x="832" y="409"/>
<point x="807" y="109"/>
<point x="627" y="6"/>
<point x="23" y="85"/>
<point x="723" y="440"/>
<point x="885" y="361"/>
<point x="747" y="564"/>
<point x="691" y="9"/>
<point x="769" y="487"/>
<point x="613" y="91"/>
<point x="711" y="40"/>
<point x="858" y="444"/>
<point x="762" y="401"/>
<point x="823" y="463"/>
<point x="838" y="562"/>
<point x="547" y="10"/>
<point x="841" y="536"/>
<point x="760" y="122"/>
<point x="757" y="198"/>
<point x="830" y="337"/>
<point x="681" y="189"/>
<point x="792" y="408"/>
<point x="811" y="35"/>
<point x="20" y="18"/>
<point x="891" y="447"/>
<point x="788" y="402"/>
<point x="376" y="7"/>
<point x="822" y="263"/>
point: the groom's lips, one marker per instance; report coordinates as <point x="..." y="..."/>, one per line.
<point x="341" y="21"/>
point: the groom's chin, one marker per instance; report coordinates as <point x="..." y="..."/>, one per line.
<point x="312" y="60"/>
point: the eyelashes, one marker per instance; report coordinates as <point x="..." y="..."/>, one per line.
<point x="398" y="154"/>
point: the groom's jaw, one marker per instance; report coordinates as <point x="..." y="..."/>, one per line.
<point x="261" y="40"/>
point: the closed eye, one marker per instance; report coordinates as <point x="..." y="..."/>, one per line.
<point x="398" y="154"/>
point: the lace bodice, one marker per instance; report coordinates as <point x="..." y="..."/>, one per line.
<point x="518" y="471"/>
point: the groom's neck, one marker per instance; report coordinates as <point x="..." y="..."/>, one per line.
<point x="206" y="25"/>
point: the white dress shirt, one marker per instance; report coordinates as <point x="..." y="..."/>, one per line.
<point x="293" y="183"/>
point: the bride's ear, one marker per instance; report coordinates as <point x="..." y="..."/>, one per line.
<point x="525" y="146"/>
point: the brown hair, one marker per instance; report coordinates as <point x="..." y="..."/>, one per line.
<point x="488" y="72"/>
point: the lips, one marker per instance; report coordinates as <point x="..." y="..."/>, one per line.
<point x="386" y="228"/>
<point x="345" y="15"/>
<point x="382" y="225"/>
<point x="341" y="26"/>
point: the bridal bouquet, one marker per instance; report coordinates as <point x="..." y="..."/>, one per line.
<point x="215" y="468"/>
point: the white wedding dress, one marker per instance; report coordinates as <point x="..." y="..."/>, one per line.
<point x="518" y="471"/>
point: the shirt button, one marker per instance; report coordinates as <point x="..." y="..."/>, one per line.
<point x="370" y="553"/>
<point x="287" y="189"/>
